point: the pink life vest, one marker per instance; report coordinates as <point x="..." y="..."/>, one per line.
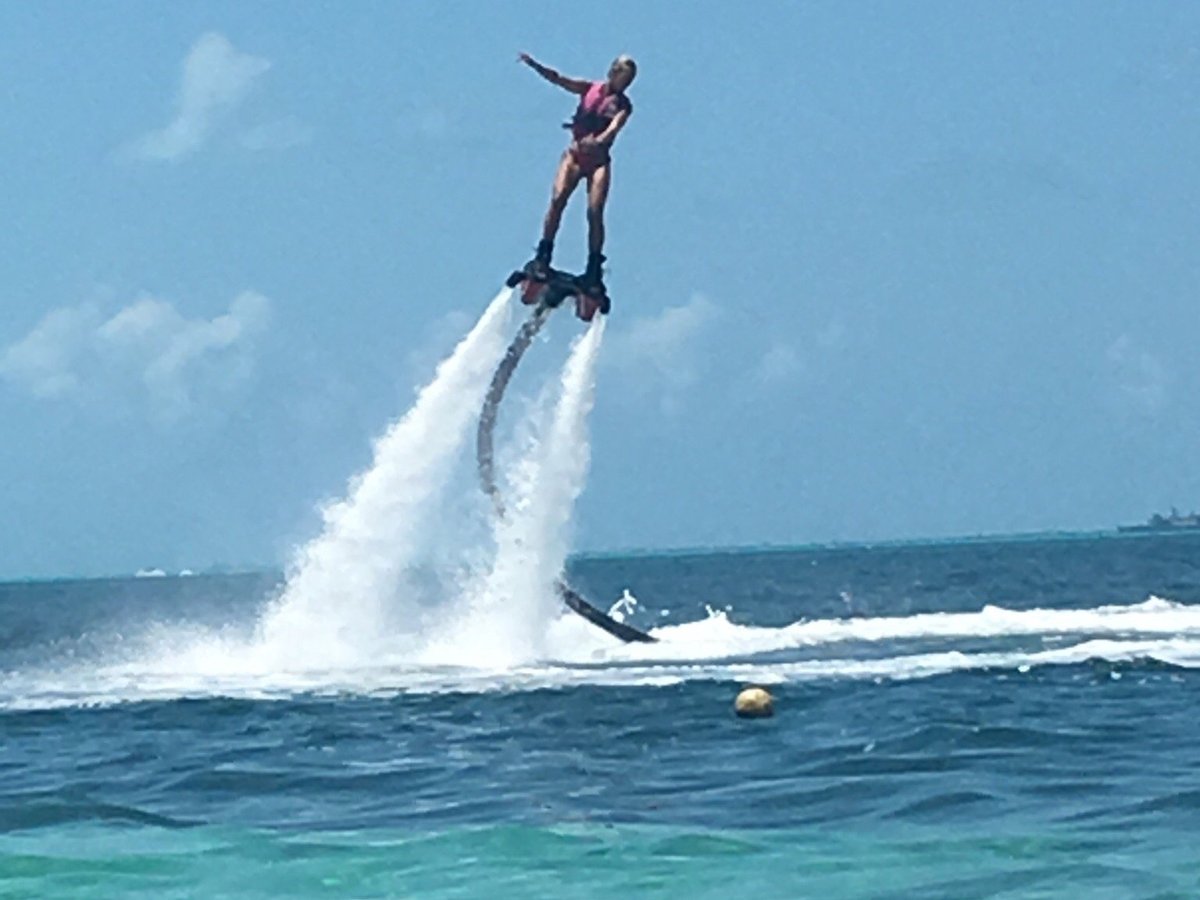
<point x="596" y="110"/>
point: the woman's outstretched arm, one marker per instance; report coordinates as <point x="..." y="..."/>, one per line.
<point x="574" y="85"/>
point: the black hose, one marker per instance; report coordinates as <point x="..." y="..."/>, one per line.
<point x="485" y="450"/>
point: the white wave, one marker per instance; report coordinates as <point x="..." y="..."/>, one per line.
<point x="208" y="665"/>
<point x="393" y="677"/>
<point x="716" y="636"/>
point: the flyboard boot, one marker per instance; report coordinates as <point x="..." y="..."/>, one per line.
<point x="593" y="295"/>
<point x="537" y="272"/>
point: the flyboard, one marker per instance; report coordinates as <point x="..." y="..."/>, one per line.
<point x="545" y="295"/>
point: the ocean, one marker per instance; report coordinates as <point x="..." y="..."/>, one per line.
<point x="1008" y="718"/>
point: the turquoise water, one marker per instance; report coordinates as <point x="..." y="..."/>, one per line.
<point x="1003" y="719"/>
<point x="590" y="861"/>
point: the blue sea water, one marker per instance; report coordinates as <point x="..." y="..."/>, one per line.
<point x="982" y="719"/>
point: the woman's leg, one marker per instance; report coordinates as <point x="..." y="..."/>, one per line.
<point x="598" y="183"/>
<point x="565" y="182"/>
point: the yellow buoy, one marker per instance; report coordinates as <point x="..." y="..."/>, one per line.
<point x="754" y="703"/>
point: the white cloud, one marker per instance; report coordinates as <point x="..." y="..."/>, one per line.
<point x="216" y="78"/>
<point x="785" y="361"/>
<point x="147" y="349"/>
<point x="661" y="352"/>
<point x="42" y="361"/>
<point x="1142" y="381"/>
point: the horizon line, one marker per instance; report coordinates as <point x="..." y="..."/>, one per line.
<point x="670" y="552"/>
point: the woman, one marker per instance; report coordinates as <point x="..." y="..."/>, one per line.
<point x="602" y="113"/>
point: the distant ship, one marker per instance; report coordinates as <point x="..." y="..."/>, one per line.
<point x="1174" y="522"/>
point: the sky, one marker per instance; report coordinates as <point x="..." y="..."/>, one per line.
<point x="879" y="270"/>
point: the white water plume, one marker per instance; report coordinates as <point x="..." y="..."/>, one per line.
<point x="332" y="610"/>
<point x="510" y="609"/>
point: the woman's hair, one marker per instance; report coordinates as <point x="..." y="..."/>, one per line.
<point x="625" y="62"/>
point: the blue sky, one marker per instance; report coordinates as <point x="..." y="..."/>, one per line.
<point x="879" y="270"/>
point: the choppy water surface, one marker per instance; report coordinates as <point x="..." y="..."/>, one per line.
<point x="978" y="719"/>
